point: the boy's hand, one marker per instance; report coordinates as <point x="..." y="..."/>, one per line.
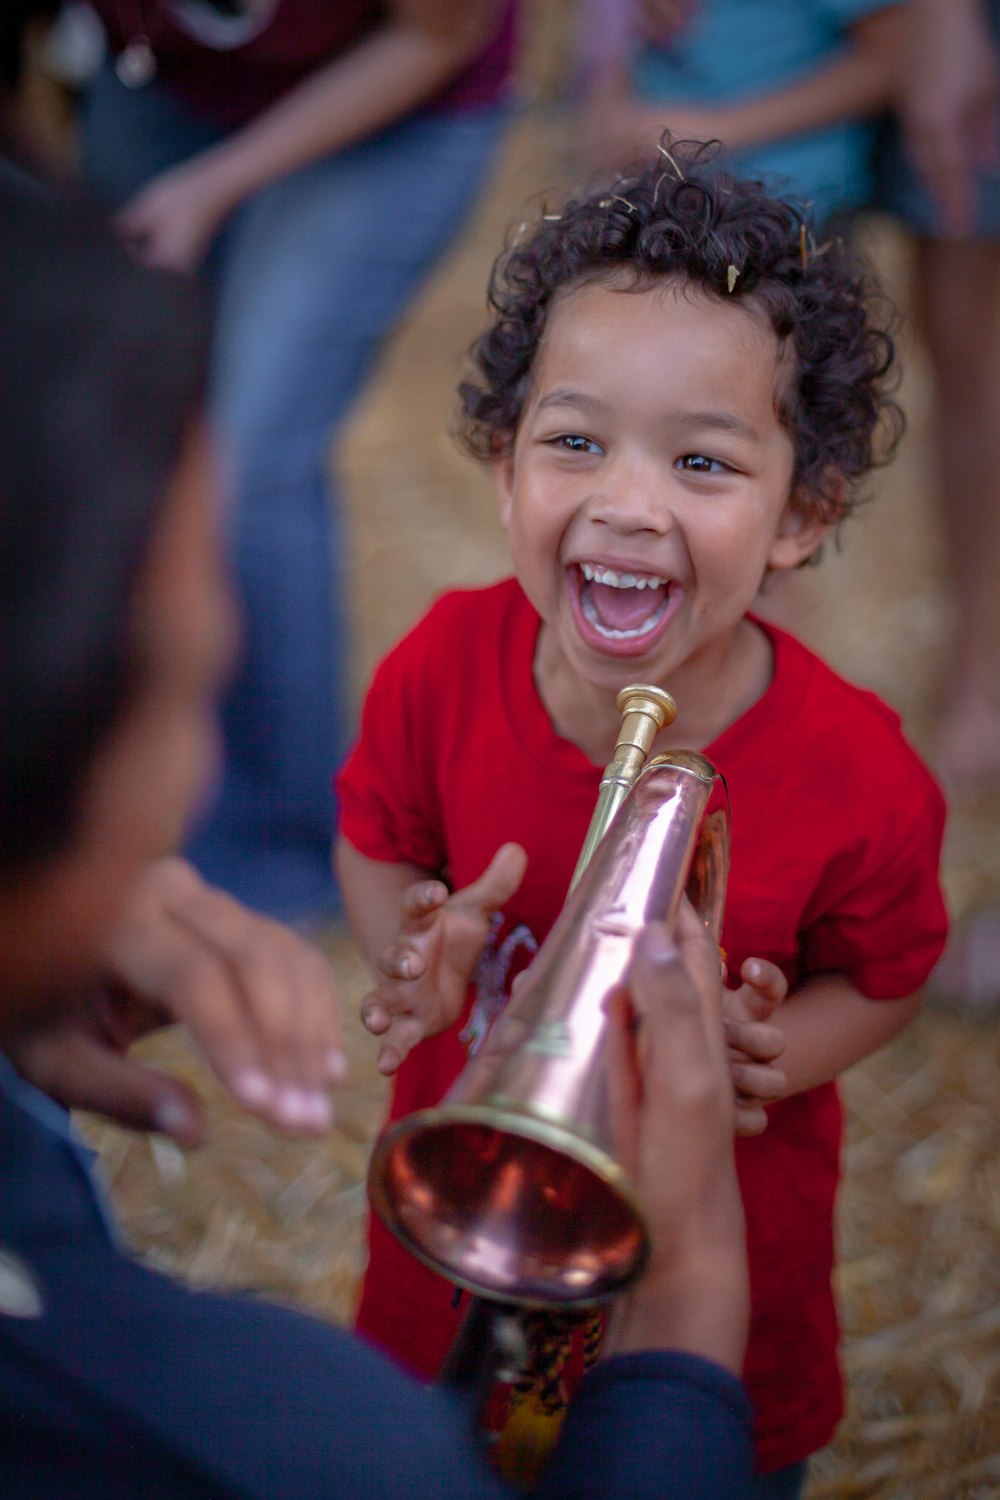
<point x="427" y="967"/>
<point x="755" y="1044"/>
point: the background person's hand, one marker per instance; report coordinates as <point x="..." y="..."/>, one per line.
<point x="425" y="971"/>
<point x="172" y="221"/>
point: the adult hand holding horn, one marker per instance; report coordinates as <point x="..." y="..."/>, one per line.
<point x="673" y="1112"/>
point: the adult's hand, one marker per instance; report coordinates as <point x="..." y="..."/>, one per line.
<point x="950" y="98"/>
<point x="674" y="1107"/>
<point x="258" y="999"/>
<point x="78" y="1057"/>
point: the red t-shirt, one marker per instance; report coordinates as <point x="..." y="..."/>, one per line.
<point x="231" y="84"/>
<point x="837" y="830"/>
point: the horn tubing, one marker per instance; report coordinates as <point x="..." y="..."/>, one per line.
<point x="511" y="1186"/>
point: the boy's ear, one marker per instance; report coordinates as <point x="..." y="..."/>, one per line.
<point x="503" y="480"/>
<point x="801" y="529"/>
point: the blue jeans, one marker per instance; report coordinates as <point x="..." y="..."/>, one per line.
<point x="312" y="274"/>
<point x="783" y="1484"/>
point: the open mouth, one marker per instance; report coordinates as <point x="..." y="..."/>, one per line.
<point x="623" y="611"/>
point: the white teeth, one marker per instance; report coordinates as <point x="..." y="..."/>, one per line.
<point x="593" y="573"/>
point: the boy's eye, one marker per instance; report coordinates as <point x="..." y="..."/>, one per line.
<point x="575" y="442"/>
<point x="699" y="463"/>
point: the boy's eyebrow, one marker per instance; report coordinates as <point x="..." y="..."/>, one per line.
<point x="723" y="421"/>
<point x="564" y="396"/>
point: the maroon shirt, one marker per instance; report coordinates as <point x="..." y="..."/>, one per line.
<point x="231" y="85"/>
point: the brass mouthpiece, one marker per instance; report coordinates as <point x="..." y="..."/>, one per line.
<point x="646" y="710"/>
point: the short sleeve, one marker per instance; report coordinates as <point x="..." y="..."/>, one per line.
<point x="386" y="793"/>
<point x="887" y="928"/>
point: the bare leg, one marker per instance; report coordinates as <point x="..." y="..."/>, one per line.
<point x="958" y="303"/>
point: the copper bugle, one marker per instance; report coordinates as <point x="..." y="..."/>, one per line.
<point x="511" y="1187"/>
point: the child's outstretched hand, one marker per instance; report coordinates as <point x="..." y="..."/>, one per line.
<point x="754" y="1043"/>
<point x="426" y="968"/>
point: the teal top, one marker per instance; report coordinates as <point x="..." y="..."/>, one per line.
<point x="732" y="50"/>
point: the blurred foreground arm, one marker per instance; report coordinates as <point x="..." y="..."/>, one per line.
<point x="259" y="1000"/>
<point x="676" y="1113"/>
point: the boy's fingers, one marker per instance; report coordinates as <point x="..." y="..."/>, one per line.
<point x="751" y="1119"/>
<point x="757" y="1081"/>
<point x="766" y="978"/>
<point x="499" y="880"/>
<point x="402" y="960"/>
<point x="374" y="1016"/>
<point x="768" y="984"/>
<point x="420" y="903"/>
<point x="403" y="1037"/>
<point x="760" y="1041"/>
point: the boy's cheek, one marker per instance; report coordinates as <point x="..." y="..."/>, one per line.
<point x="503" y="483"/>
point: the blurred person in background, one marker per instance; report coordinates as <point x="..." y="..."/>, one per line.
<point x="790" y="87"/>
<point x="116" y="626"/>
<point x="317" y="160"/>
<point x="939" y="173"/>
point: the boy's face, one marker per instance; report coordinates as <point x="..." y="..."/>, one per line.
<point x="648" y="488"/>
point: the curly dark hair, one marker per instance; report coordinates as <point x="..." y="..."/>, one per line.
<point x="683" y="217"/>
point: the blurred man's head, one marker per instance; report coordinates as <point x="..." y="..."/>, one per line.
<point x="115" y="624"/>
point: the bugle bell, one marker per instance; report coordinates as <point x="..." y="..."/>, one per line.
<point x="511" y="1187"/>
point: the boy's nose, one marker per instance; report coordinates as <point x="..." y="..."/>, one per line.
<point x="630" y="501"/>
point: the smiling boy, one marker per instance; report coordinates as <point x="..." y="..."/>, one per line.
<point x="677" y="399"/>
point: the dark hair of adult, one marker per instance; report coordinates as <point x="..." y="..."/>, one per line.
<point x="684" y="219"/>
<point x="102" y="367"/>
<point x="16" y="18"/>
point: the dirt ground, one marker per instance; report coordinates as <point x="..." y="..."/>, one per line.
<point x="920" y="1212"/>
